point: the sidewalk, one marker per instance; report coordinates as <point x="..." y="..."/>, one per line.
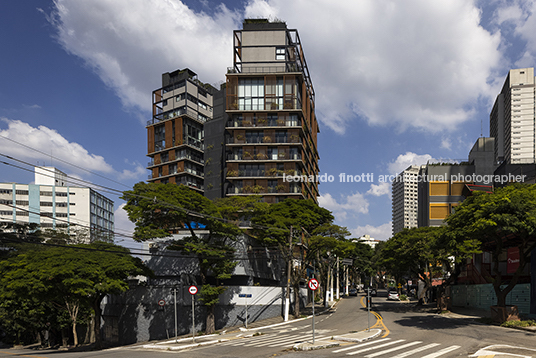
<point x="231" y="333"/>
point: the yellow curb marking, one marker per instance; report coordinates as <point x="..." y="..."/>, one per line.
<point x="21" y="355"/>
<point x="379" y="319"/>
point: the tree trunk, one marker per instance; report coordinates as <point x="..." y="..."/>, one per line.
<point x="210" y="321"/>
<point x="296" y="301"/>
<point x="75" y="334"/>
<point x="96" y="327"/>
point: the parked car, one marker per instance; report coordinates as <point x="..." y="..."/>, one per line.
<point x="392" y="295"/>
<point x="352" y="292"/>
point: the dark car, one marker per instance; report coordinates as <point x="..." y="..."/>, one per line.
<point x="352" y="292"/>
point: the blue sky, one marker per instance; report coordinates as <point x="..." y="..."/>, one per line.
<point x="397" y="82"/>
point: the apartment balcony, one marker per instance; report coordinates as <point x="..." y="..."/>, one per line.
<point x="269" y="173"/>
<point x="261" y="123"/>
<point x="161" y="117"/>
<point x="259" y="189"/>
<point x="264" y="157"/>
<point x="292" y="139"/>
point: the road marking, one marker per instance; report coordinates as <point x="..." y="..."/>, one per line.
<point x="361" y="345"/>
<point x="393" y="349"/>
<point x="22" y="355"/>
<point x="416" y="350"/>
<point x="372" y="348"/>
<point x="379" y="319"/>
<point x="441" y="352"/>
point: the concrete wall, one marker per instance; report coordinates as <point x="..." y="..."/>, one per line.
<point x="136" y="316"/>
<point x="483" y="296"/>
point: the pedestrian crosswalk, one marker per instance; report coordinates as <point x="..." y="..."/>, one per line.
<point x="274" y="340"/>
<point x="400" y="348"/>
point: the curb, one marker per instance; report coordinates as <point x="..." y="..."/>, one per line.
<point x="357" y="339"/>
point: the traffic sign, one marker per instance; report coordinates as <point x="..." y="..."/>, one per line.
<point x="192" y="290"/>
<point x="161" y="303"/>
<point x="244" y="295"/>
<point x="399" y="285"/>
<point x="313" y="284"/>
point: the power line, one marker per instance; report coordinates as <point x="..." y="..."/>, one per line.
<point x="63" y="161"/>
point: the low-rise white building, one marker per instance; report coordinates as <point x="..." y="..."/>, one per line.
<point x="53" y="205"/>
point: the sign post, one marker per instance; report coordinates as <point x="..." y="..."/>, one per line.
<point x="193" y="290"/>
<point x="246" y="295"/>
<point x="313" y="285"/>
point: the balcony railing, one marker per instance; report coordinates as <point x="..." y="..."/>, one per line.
<point x="258" y="189"/>
<point x="265" y="157"/>
<point x="262" y="123"/>
<point x="293" y="139"/>
<point x="176" y="113"/>
<point x="272" y="172"/>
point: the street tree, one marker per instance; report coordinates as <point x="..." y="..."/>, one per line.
<point x="409" y="252"/>
<point x="160" y="209"/>
<point x="73" y="278"/>
<point x="499" y="220"/>
<point x="286" y="225"/>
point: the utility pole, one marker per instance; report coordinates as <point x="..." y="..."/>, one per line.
<point x="287" y="296"/>
<point x="338" y="283"/>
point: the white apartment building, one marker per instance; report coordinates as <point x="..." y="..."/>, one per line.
<point x="405" y="199"/>
<point x="512" y="119"/>
<point x="57" y="206"/>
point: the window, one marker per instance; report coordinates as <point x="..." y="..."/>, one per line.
<point x="279" y="53"/>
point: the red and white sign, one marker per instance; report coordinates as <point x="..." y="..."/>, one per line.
<point x="192" y="290"/>
<point x="313" y="284"/>
<point x="513" y="260"/>
<point x="161" y="303"/>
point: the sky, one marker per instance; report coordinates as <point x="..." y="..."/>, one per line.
<point x="397" y="82"/>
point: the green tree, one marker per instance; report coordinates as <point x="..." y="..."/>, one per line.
<point x="499" y="220"/>
<point x="71" y="277"/>
<point x="273" y="228"/>
<point x="410" y="251"/>
<point x="159" y="209"/>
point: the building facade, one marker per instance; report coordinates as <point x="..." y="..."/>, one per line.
<point x="271" y="129"/>
<point x="175" y="134"/>
<point x="512" y="119"/>
<point x="57" y="206"/>
<point x="405" y="199"/>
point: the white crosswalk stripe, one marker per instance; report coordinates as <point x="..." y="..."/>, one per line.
<point x="273" y="340"/>
<point x="393" y="349"/>
<point x="372" y="348"/>
<point x="385" y="348"/>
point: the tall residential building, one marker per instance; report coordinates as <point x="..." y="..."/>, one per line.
<point x="175" y="134"/>
<point x="53" y="205"/>
<point x="405" y="199"/>
<point x="271" y="128"/>
<point x="512" y="119"/>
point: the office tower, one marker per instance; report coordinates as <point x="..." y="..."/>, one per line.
<point x="271" y="128"/>
<point x="175" y="134"/>
<point x="405" y="196"/>
<point x="512" y="119"/>
<point x="57" y="206"/>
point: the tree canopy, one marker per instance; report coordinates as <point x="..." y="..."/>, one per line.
<point x="505" y="218"/>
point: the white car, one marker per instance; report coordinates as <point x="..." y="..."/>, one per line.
<point x="393" y="295"/>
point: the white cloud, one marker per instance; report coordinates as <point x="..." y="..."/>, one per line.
<point x="49" y="143"/>
<point x="380" y="189"/>
<point x="403" y="161"/>
<point x="43" y="145"/>
<point x="353" y="204"/>
<point x="446" y="144"/>
<point x="412" y="63"/>
<point x="382" y="232"/>
<point x="124" y="229"/>
<point x="130" y="43"/>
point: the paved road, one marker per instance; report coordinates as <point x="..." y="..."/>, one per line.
<point x="407" y="331"/>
